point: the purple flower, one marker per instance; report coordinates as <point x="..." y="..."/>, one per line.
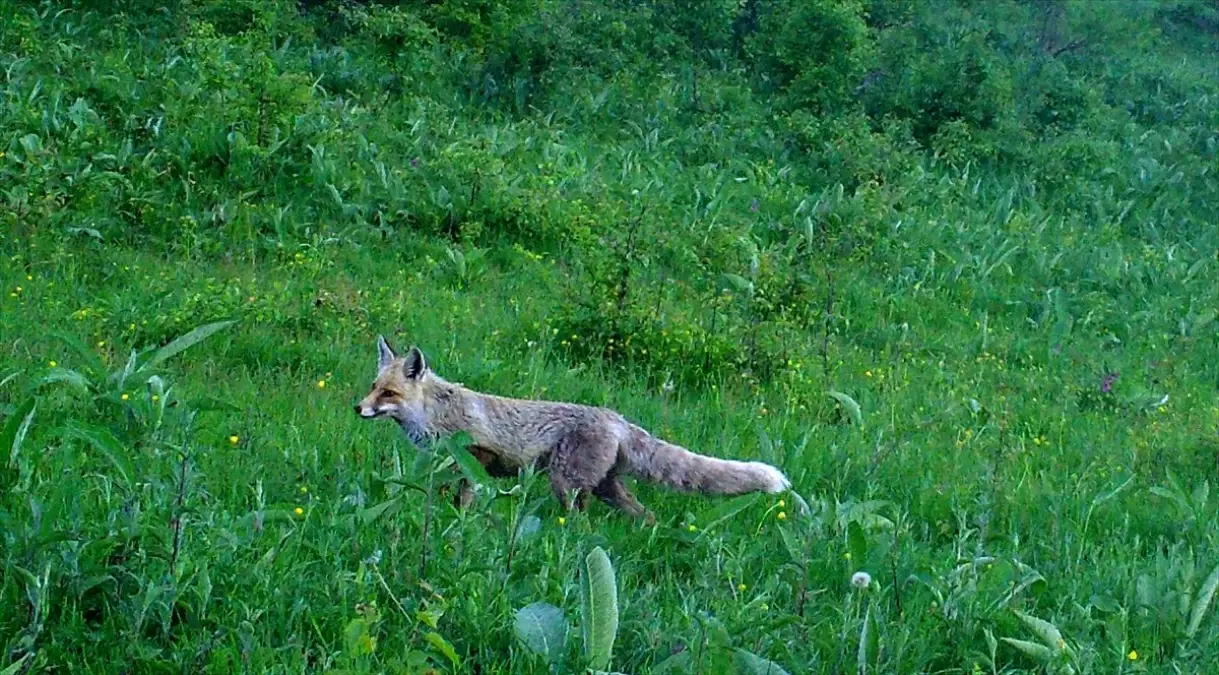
<point x="1107" y="385"/>
<point x="414" y="162"/>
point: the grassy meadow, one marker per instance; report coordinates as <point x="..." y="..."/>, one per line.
<point x="953" y="266"/>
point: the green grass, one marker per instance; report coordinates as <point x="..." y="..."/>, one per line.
<point x="971" y="293"/>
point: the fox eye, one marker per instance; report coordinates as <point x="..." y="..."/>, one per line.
<point x="388" y="394"/>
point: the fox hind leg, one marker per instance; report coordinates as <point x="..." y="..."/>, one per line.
<point x="578" y="463"/>
<point x="614" y="492"/>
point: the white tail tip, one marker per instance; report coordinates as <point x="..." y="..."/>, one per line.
<point x="774" y="479"/>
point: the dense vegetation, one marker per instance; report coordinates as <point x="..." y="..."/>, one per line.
<point x="952" y="265"/>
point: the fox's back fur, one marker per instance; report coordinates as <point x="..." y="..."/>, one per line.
<point x="585" y="448"/>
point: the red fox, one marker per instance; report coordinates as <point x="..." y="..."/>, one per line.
<point x="584" y="448"/>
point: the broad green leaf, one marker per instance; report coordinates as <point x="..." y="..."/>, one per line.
<point x="869" y="644"/>
<point x="857" y="543"/>
<point x="1201" y="495"/>
<point x="803" y="509"/>
<point x="748" y="663"/>
<point x="474" y="471"/>
<point x="599" y="609"/>
<point x="9" y="378"/>
<point x="67" y="376"/>
<point x="15" y="667"/>
<point x="793" y="546"/>
<point x="1110" y="494"/>
<point x="374" y="512"/>
<point x="726" y="509"/>
<point x="1039" y="653"/>
<point x="739" y="283"/>
<point x="205" y="589"/>
<point x="541" y="627"/>
<point x="16" y="428"/>
<point x="184" y="342"/>
<point x="356" y="637"/>
<point x="1045" y="631"/>
<point x="849" y="404"/>
<point x="1206" y="595"/>
<point x="1105" y="603"/>
<point x="437" y="641"/>
<point x="104" y="442"/>
<point x="127" y="369"/>
<point x="678" y="664"/>
<point x="530" y="525"/>
<point x="1174" y="497"/>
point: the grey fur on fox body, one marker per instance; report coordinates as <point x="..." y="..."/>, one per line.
<point x="585" y="448"/>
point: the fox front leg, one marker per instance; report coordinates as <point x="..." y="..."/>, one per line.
<point x="465" y="494"/>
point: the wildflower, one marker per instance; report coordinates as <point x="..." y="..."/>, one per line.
<point x="155" y="398"/>
<point x="1133" y="655"/>
<point x="304" y="490"/>
<point x="861" y="580"/>
<point x="101" y="343"/>
<point x="562" y="521"/>
<point x="782" y="515"/>
<point x="691" y="527"/>
<point x="299" y="511"/>
<point x="234" y="439"/>
<point x="53" y="364"/>
<point x="782" y="503"/>
<point x="321" y="384"/>
<point x="741" y="588"/>
<point x="20" y="289"/>
<point x="867" y="373"/>
<point x="124" y="397"/>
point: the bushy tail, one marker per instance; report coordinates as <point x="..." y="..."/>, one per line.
<point x="656" y="460"/>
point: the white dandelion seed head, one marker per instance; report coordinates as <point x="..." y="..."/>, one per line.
<point x="861" y="580"/>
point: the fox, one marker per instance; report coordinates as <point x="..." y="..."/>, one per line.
<point x="583" y="448"/>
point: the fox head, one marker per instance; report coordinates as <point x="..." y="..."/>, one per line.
<point x="398" y="391"/>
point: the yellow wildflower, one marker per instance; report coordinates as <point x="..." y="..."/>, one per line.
<point x="300" y="511"/>
<point x="234" y="439"/>
<point x="321" y="384"/>
<point x="562" y="521"/>
<point x="1133" y="655"/>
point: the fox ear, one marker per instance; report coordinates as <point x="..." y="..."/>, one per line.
<point x="385" y="353"/>
<point x="415" y="365"/>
